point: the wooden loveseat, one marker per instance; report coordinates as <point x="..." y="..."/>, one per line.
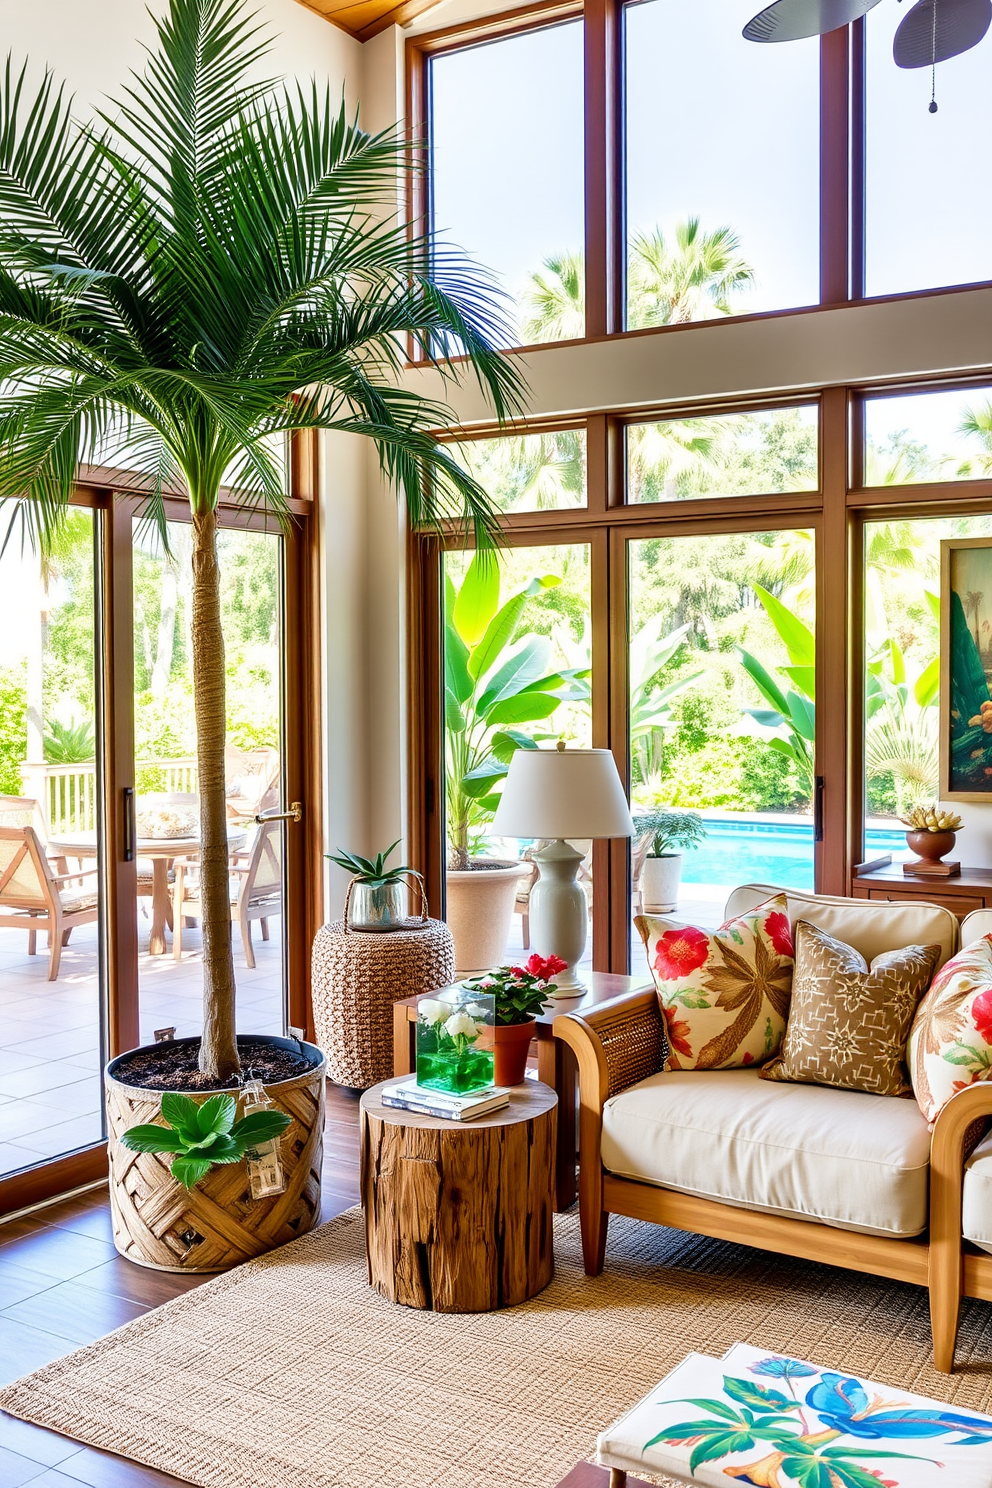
<point x="851" y="1179"/>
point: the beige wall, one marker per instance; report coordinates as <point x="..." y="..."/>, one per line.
<point x="94" y="43"/>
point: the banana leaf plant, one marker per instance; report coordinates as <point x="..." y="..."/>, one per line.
<point x="498" y="682"/>
<point x="790" y="718"/>
<point x="649" y="653"/>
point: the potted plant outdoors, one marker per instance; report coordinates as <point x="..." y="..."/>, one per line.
<point x="661" y="873"/>
<point x="377" y="895"/>
<point x="521" y="992"/>
<point x="210" y="269"/>
<point x="496" y="680"/>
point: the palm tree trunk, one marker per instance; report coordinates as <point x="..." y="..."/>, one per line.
<point x="218" y="1046"/>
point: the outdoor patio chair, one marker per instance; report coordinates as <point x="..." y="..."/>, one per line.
<point x="521" y="904"/>
<point x="256" y="890"/>
<point x="252" y="782"/>
<point x="33" y="897"/>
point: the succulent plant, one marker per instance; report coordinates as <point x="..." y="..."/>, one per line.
<point x="932" y="819"/>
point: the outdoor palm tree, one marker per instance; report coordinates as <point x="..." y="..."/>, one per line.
<point x="215" y="263"/>
<point x="690" y="278"/>
<point x="555" y="300"/>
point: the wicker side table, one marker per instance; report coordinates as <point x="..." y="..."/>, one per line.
<point x="357" y="975"/>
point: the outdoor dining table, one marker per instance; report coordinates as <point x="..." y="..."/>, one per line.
<point x="162" y="852"/>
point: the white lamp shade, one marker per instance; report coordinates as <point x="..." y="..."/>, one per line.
<point x="563" y="793"/>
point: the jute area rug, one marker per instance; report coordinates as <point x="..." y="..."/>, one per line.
<point x="291" y="1373"/>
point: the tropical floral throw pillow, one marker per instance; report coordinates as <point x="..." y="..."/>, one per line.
<point x="950" y="1046"/>
<point x="724" y="993"/>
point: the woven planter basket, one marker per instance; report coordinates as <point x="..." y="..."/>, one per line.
<point x="356" y="978"/>
<point x="217" y="1224"/>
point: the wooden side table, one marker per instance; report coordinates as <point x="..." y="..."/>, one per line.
<point x="971" y="889"/>
<point x="555" y="1062"/>
<point x="458" y="1215"/>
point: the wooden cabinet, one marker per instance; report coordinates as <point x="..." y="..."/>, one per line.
<point x="972" y="889"/>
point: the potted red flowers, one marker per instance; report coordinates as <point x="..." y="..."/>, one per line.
<point x="520" y="992"/>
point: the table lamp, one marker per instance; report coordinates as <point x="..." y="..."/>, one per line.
<point x="557" y="794"/>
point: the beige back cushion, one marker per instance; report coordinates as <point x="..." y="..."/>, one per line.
<point x="869" y="927"/>
<point x="975" y="925"/>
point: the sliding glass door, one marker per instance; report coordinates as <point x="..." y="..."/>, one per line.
<point x="100" y="923"/>
<point x="51" y="982"/>
<point x="721" y="667"/>
<point x="166" y="800"/>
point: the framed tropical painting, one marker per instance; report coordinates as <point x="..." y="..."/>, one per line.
<point x="966" y="669"/>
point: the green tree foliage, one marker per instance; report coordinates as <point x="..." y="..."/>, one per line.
<point x="499" y="682"/>
<point x="13" y="728"/>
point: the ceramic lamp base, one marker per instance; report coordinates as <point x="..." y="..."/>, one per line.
<point x="559" y="914"/>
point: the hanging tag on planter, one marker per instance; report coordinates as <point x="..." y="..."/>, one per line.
<point x="265" y="1169"/>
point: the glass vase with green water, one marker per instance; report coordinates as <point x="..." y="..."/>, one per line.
<point x="455" y="1041"/>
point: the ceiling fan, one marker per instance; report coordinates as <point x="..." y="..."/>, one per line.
<point x="931" y="32"/>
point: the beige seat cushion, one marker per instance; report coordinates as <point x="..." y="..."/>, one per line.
<point x="858" y="1162"/>
<point x="976" y="1207"/>
<point x="869" y="927"/>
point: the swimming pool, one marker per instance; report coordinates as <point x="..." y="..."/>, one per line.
<point x="736" y="852"/>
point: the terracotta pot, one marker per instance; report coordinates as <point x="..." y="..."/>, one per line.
<point x="511" y="1047"/>
<point x="479" y="908"/>
<point x="930" y="846"/>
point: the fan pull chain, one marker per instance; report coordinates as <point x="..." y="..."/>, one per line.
<point x="933" y="64"/>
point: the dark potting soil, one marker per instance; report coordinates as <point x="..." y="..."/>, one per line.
<point x="174" y="1066"/>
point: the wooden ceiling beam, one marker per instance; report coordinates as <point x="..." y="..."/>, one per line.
<point x="364" y="19"/>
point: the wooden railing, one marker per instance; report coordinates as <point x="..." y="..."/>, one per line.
<point x="68" y="793"/>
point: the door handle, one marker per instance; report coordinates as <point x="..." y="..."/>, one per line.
<point x="295" y="813"/>
<point x="819" y="790"/>
<point x="130" y="825"/>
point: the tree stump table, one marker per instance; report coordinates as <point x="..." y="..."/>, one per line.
<point x="458" y="1216"/>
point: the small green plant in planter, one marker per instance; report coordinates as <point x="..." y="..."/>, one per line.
<point x="520" y="992"/>
<point x="667" y="830"/>
<point x="377" y="895"/>
<point x="202" y="1136"/>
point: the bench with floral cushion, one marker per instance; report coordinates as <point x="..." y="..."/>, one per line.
<point x="736" y="1099"/>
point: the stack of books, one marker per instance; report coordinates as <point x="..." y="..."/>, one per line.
<point x="409" y="1096"/>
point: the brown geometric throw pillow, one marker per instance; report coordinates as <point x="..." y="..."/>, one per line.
<point x="848" y="1024"/>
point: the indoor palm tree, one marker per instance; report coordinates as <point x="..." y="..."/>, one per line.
<point x="215" y="263"/>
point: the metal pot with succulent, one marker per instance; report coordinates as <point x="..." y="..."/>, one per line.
<point x="931" y="835"/>
<point x="377" y="895"/>
<point x="521" y="992"/>
<point x="661" y="871"/>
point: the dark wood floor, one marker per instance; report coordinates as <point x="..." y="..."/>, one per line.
<point x="63" y="1284"/>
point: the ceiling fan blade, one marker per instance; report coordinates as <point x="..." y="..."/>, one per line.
<point x="937" y="29"/>
<point x="791" y="20"/>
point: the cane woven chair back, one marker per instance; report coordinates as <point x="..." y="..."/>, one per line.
<point x="23" y="811"/>
<point x="26" y="880"/>
<point x="263" y="881"/>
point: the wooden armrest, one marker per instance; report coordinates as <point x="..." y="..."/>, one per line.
<point x="61" y="878"/>
<point x="958" y="1127"/>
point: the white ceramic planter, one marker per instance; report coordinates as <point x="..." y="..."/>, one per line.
<point x="660" y="879"/>
<point x="479" y="908"/>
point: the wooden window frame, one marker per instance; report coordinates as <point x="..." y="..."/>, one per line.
<point x="114" y="506"/>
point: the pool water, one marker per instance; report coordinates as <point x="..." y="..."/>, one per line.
<point x="768" y="852"/>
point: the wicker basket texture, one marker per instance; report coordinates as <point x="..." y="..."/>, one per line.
<point x="217" y="1224"/>
<point x="356" y="978"/>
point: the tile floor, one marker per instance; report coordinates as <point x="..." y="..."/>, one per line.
<point x="50" y="1032"/>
